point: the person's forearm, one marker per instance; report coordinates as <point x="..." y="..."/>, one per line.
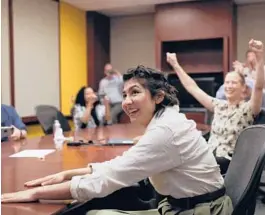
<point x="264" y="77"/>
<point x="54" y="192"/>
<point x="185" y="79"/>
<point x="259" y="83"/>
<point x="74" y="172"/>
<point x="107" y="113"/>
<point x="87" y="114"/>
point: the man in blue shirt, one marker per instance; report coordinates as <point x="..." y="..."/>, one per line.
<point x="9" y="117"/>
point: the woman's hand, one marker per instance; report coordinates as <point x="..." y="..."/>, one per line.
<point x="172" y="59"/>
<point x="238" y="66"/>
<point x="257" y="47"/>
<point x="21" y="196"/>
<point x="48" y="180"/>
<point x="91" y="101"/>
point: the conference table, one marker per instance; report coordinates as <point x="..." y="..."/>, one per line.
<point x="16" y="171"/>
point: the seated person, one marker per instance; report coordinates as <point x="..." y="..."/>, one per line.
<point x="9" y="117"/>
<point x="172" y="153"/>
<point x="230" y="116"/>
<point x="88" y="112"/>
<point x="249" y="71"/>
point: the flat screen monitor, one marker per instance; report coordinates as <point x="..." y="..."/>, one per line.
<point x="207" y="84"/>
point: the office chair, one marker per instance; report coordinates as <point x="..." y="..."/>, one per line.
<point x="46" y="115"/>
<point x="243" y="175"/>
<point x="260" y="119"/>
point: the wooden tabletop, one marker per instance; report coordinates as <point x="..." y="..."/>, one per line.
<point x="16" y="171"/>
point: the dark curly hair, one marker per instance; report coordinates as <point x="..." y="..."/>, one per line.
<point x="80" y="99"/>
<point x="156" y="82"/>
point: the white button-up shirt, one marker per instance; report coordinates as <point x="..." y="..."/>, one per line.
<point x="172" y="153"/>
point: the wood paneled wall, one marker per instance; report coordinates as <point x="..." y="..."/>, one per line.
<point x="98" y="46"/>
<point x="195" y="20"/>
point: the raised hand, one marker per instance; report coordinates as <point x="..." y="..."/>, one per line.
<point x="48" y="180"/>
<point x="91" y="101"/>
<point x="116" y="72"/>
<point x="21" y="196"/>
<point x="257" y="47"/>
<point x="172" y="59"/>
<point x="238" y="66"/>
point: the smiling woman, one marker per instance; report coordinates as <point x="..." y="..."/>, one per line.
<point x="145" y="93"/>
<point x="172" y="153"/>
<point x="231" y="116"/>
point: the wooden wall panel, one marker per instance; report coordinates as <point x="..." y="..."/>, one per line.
<point x="98" y="46"/>
<point x="195" y="20"/>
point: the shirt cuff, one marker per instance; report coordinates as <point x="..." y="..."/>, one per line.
<point x="96" y="167"/>
<point x="74" y="187"/>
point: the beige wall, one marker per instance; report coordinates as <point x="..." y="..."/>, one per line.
<point x="250" y="24"/>
<point x="36" y="54"/>
<point x="132" y="41"/>
<point x="5" y="63"/>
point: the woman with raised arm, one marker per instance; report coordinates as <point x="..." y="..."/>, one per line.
<point x="172" y="153"/>
<point x="230" y="116"/>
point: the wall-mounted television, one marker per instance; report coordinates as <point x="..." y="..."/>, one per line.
<point x="208" y="83"/>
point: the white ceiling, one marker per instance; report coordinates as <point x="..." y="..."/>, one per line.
<point x="130" y="7"/>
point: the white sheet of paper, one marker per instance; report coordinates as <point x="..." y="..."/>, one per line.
<point x="33" y="153"/>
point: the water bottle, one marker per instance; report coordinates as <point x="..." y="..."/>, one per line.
<point x="56" y="127"/>
<point x="75" y="117"/>
<point x="58" y="135"/>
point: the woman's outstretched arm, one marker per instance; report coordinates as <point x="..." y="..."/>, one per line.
<point x="256" y="96"/>
<point x="189" y="84"/>
<point x="50" y="192"/>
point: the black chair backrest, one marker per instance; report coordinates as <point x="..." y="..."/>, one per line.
<point x="244" y="172"/>
<point x="46" y="115"/>
<point x="260" y="118"/>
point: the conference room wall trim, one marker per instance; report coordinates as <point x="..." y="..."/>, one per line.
<point x="11" y="52"/>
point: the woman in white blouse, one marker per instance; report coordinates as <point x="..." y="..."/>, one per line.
<point x="88" y="112"/>
<point x="172" y="153"/>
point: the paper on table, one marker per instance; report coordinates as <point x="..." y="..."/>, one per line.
<point x="33" y="153"/>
